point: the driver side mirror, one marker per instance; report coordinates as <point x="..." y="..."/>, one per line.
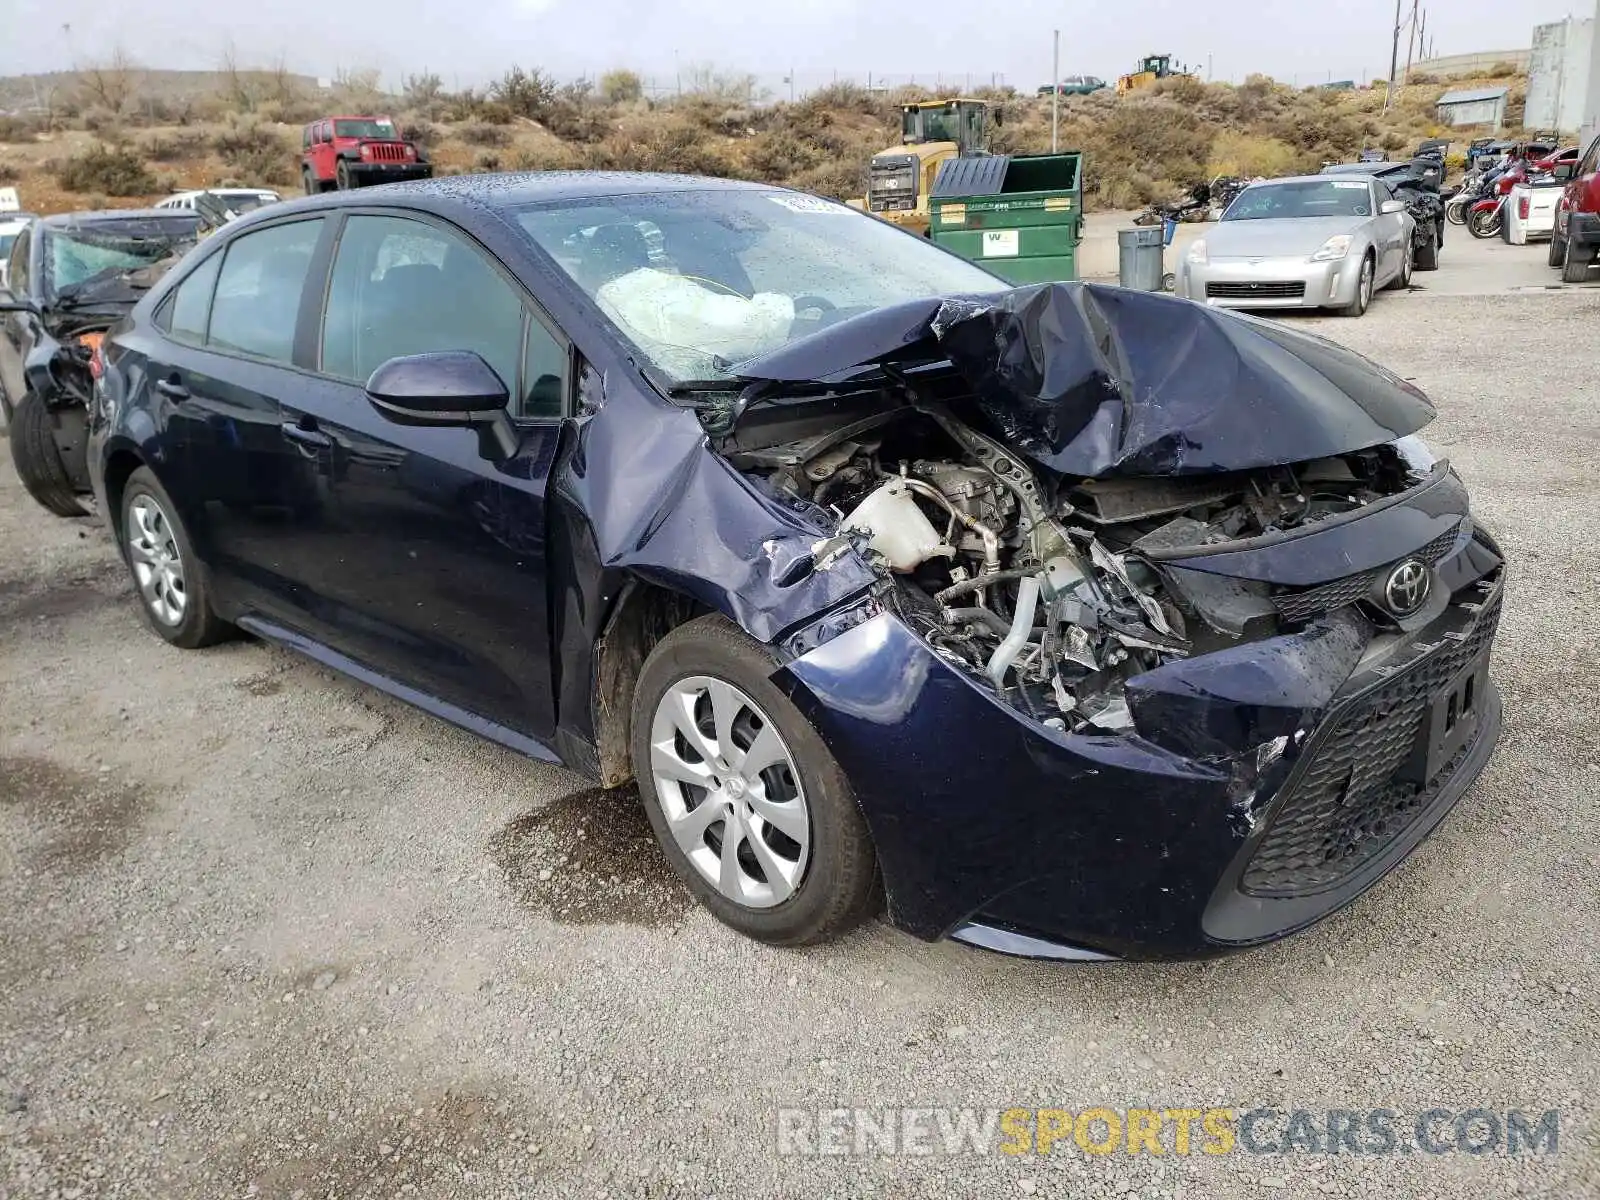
<point x="446" y="389"/>
<point x="1390" y="207"/>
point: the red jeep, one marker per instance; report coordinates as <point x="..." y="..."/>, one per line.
<point x="1576" y="238"/>
<point x="352" y="152"/>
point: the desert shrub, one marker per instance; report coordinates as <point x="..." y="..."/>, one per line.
<point x="621" y="87"/>
<point x="846" y="97"/>
<point x="1248" y="155"/>
<point x="548" y="157"/>
<point x="777" y="156"/>
<point x="1420" y="78"/>
<point x="417" y="130"/>
<point x="17" y="129"/>
<point x="525" y="93"/>
<point x="480" y="133"/>
<point x="836" y="179"/>
<point x="113" y="171"/>
<point x="425" y="94"/>
<point x="1499" y="68"/>
<point x="289" y="112"/>
<point x="1392" y="141"/>
<point x="253" y="150"/>
<point x="99" y="119"/>
<point x="158" y="148"/>
<point x="493" y="112"/>
<point x="95" y="203"/>
<point x="487" y="160"/>
<point x="9" y="173"/>
<point x="670" y="145"/>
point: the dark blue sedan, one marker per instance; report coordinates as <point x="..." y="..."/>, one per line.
<point x="1068" y="621"/>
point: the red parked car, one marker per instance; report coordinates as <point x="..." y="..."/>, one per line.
<point x="1576" y="240"/>
<point x="352" y="152"/>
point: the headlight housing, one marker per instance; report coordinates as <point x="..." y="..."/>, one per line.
<point x="1198" y="255"/>
<point x="1334" y="249"/>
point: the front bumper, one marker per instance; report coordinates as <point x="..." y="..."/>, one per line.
<point x="367" y="174"/>
<point x="1270" y="283"/>
<point x="1284" y="779"/>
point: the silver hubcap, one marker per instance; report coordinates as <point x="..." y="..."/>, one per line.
<point x="157" y="565"/>
<point x="727" y="785"/>
<point x="1366" y="283"/>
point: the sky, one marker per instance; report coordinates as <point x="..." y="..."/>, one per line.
<point x="934" y="41"/>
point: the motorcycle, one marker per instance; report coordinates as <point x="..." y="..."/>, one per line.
<point x="1486" y="217"/>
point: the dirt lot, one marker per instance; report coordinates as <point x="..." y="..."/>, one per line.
<point x="268" y="933"/>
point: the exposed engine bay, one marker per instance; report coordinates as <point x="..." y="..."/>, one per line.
<point x="1056" y="590"/>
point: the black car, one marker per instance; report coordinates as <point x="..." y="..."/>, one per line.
<point x="882" y="578"/>
<point x="70" y="278"/>
<point x="1416" y="182"/>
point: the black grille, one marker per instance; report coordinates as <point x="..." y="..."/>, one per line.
<point x="1325" y="597"/>
<point x="1346" y="804"/>
<point x="1256" y="291"/>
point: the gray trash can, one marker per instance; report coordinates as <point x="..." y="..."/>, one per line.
<point x="1139" y="258"/>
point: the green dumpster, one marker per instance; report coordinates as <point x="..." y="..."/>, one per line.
<point x="1021" y="216"/>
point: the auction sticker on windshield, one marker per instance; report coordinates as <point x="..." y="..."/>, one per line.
<point x="808" y="204"/>
<point x="1356" y="186"/>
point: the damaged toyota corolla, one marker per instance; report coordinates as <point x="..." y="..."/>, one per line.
<point x="1071" y="621"/>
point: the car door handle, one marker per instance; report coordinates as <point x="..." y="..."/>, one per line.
<point x="306" y="434"/>
<point x="172" y="386"/>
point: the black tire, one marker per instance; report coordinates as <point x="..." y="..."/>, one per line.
<point x="1403" y="280"/>
<point x="838" y="888"/>
<point x="341" y="176"/>
<point x="308" y="182"/>
<point x="1439" y="235"/>
<point x="1428" y="256"/>
<point x="1358" y="306"/>
<point x="199" y="624"/>
<point x="38" y="458"/>
<point x="1575" y="262"/>
<point x="1558" y="251"/>
<point x="1147" y="218"/>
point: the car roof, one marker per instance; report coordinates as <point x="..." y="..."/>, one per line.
<point x="1301" y="178"/>
<point x="113" y="216"/>
<point x="503" y="193"/>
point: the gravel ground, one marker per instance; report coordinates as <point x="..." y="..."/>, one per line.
<point x="269" y="933"/>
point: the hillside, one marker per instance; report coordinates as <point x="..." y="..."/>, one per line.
<point x="122" y="139"/>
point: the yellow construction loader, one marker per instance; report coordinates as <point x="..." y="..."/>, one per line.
<point x="932" y="132"/>
<point x="1151" y="68"/>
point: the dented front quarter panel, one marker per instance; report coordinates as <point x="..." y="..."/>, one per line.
<point x="662" y="504"/>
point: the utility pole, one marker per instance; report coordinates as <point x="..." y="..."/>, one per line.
<point x="1210" y="60"/>
<point x="1394" y="59"/>
<point x="1411" y="40"/>
<point x="1055" y="92"/>
<point x="1422" y="39"/>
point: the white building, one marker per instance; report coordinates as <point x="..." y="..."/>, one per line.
<point x="1474" y="106"/>
<point x="1591" y="107"/>
<point x="1558" y="74"/>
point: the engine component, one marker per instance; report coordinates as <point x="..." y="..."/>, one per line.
<point x="898" y="529"/>
<point x="1021" y="631"/>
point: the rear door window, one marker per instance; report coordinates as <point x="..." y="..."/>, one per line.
<point x="257" y="300"/>
<point x="191" y="302"/>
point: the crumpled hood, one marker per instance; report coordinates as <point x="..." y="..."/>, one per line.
<point x="1091" y="380"/>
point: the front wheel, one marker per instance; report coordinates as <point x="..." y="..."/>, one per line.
<point x="174" y="593"/>
<point x="1484" y="224"/>
<point x="1358" y="306"/>
<point x="750" y="807"/>
<point x="37" y="457"/>
<point x="306" y="182"/>
<point x="341" y="176"/>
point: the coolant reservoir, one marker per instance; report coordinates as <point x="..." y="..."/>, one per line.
<point x="900" y="531"/>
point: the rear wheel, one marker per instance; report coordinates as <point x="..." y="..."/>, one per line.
<point x="1575" y="262"/>
<point x="174" y="592"/>
<point x="308" y="183"/>
<point x="38" y="458"/>
<point x="1428" y="256"/>
<point x="751" y="809"/>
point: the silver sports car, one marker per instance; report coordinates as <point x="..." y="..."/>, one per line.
<point x="1306" y="242"/>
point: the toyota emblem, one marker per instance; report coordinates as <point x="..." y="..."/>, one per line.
<point x="1407" y="588"/>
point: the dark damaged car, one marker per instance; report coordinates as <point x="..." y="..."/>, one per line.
<point x="1070" y="621"/>
<point x="69" y="279"/>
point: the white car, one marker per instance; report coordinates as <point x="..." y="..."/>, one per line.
<point x="1531" y="212"/>
<point x="11" y="224"/>
<point x="238" y="200"/>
